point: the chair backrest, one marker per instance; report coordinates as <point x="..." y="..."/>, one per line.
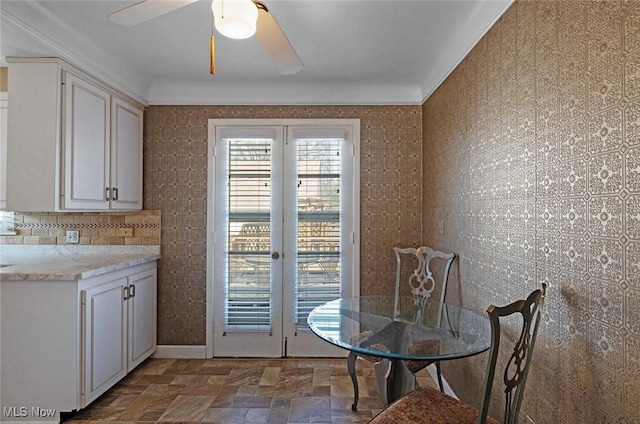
<point x="422" y="281"/>
<point x="517" y="369"/>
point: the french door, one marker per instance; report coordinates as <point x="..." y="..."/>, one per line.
<point x="283" y="214"/>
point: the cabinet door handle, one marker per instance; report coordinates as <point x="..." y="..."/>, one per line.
<point x="115" y="193"/>
<point x="132" y="290"/>
<point x="107" y="190"/>
<point x="126" y="292"/>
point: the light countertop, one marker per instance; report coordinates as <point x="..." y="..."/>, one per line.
<point x="69" y="262"/>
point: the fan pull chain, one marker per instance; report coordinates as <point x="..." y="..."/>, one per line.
<point x="212" y="53"/>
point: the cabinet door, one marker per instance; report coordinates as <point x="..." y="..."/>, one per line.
<point x="142" y="316"/>
<point x="126" y="155"/>
<point x="86" y="133"/>
<point x="104" y="332"/>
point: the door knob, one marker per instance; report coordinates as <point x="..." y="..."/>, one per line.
<point x="275" y="255"/>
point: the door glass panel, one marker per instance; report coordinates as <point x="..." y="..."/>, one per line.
<point x="248" y="285"/>
<point x="318" y="224"/>
<point x="283" y="206"/>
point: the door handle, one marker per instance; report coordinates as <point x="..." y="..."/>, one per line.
<point x="275" y="255"/>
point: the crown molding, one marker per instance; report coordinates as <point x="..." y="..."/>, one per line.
<point x="70" y="57"/>
<point x="480" y="36"/>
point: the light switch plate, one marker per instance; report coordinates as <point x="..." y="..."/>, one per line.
<point x="73" y="236"/>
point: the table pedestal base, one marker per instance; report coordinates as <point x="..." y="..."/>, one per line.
<point x="393" y="379"/>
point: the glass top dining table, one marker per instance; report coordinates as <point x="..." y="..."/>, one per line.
<point x="395" y="329"/>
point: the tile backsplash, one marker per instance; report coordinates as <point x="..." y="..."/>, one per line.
<point x="96" y="228"/>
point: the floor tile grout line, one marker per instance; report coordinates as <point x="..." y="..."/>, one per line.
<point x="200" y="390"/>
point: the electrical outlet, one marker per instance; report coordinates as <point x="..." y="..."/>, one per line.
<point x="441" y="226"/>
<point x="73" y="236"/>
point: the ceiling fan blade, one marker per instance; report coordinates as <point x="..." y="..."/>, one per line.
<point x="145" y="11"/>
<point x="275" y="42"/>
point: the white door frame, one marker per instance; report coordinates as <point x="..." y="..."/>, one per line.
<point x="211" y="170"/>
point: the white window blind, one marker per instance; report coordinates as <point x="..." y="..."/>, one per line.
<point x="248" y="285"/>
<point x="317" y="157"/>
<point x="283" y="203"/>
<point x="318" y="219"/>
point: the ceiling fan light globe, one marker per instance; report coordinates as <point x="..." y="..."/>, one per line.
<point x="235" y="18"/>
<point x="234" y="28"/>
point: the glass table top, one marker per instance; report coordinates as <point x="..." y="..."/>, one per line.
<point x="401" y="328"/>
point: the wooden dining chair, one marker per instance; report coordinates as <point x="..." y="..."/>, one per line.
<point x="422" y="283"/>
<point x="427" y="405"/>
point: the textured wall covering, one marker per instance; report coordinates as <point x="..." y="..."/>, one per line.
<point x="532" y="158"/>
<point x="175" y="181"/>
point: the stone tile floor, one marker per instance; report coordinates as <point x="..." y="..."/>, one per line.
<point x="239" y="391"/>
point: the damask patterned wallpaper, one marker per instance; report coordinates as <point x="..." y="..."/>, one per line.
<point x="175" y="182"/>
<point x="532" y="158"/>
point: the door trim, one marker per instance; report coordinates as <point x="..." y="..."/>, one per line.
<point x="211" y="129"/>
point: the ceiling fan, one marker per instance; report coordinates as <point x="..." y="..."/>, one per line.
<point x="232" y="18"/>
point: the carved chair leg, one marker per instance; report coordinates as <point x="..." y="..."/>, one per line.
<point x="351" y="366"/>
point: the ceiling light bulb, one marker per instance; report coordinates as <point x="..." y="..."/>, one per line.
<point x="235" y="18"/>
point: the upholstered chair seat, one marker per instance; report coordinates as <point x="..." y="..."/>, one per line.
<point x="428" y="405"/>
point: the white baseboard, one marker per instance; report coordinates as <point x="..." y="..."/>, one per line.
<point x="181" y="352"/>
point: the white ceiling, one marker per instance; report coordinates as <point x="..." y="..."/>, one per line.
<point x="354" y="51"/>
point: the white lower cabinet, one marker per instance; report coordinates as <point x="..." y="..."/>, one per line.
<point x="64" y="343"/>
<point x="104" y="343"/>
<point x="119" y="330"/>
<point x="142" y="314"/>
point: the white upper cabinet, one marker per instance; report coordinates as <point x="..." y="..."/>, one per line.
<point x="75" y="144"/>
<point x="86" y="145"/>
<point x="126" y="155"/>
